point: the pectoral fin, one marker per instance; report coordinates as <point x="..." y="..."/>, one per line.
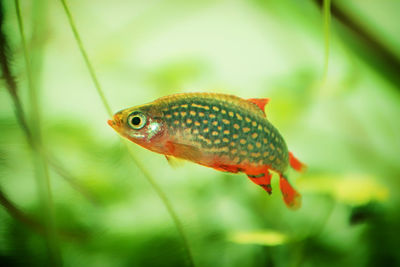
<point x="174" y="162"/>
<point x="184" y="151"/>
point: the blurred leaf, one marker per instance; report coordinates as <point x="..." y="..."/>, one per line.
<point x="352" y="189"/>
<point x="264" y="238"/>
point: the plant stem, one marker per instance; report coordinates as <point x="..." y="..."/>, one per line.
<point x="365" y="45"/>
<point x="86" y="58"/>
<point x="146" y="174"/>
<point x="164" y="199"/>
<point x="327" y="22"/>
<point x="40" y="163"/>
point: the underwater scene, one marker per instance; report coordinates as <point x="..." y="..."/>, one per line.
<point x="199" y="133"/>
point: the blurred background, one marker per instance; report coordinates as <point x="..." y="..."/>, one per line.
<point x="95" y="207"/>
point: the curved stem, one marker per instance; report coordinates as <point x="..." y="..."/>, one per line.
<point x="39" y="158"/>
<point x="86" y="59"/>
<point x="164" y="199"/>
<point x="327" y="22"/>
<point x="365" y="45"/>
<point x="146" y="174"/>
<point x="19" y="215"/>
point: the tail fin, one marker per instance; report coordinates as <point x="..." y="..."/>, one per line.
<point x="296" y="164"/>
<point x="291" y="197"/>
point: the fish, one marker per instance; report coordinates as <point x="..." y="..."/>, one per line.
<point x="221" y="131"/>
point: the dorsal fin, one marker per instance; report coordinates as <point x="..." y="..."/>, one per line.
<point x="260" y="102"/>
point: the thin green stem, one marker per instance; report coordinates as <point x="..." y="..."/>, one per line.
<point x="146" y="174"/>
<point x="14" y="211"/>
<point x="40" y="163"/>
<point x="327" y="22"/>
<point x="38" y="39"/>
<point x="164" y="199"/>
<point x="86" y="58"/>
<point x="58" y="168"/>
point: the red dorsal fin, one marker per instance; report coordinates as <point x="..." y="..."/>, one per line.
<point x="260" y="102"/>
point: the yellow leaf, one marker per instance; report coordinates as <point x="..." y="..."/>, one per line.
<point x="352" y="189"/>
<point x="265" y="238"/>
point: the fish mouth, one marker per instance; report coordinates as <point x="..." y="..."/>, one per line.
<point x="115" y="123"/>
<point x="112" y="123"/>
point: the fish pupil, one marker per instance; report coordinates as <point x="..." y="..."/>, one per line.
<point x="135" y="121"/>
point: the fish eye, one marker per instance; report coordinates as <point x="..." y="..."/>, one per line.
<point x="136" y="120"/>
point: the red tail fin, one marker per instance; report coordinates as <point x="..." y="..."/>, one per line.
<point x="291" y="197"/>
<point x="296" y="164"/>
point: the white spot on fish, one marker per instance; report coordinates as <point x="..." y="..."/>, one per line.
<point x="153" y="129"/>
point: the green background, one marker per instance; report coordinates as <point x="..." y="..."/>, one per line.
<point x="345" y="125"/>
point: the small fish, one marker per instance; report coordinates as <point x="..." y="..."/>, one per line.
<point x="220" y="131"/>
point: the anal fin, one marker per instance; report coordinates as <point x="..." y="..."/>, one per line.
<point x="263" y="180"/>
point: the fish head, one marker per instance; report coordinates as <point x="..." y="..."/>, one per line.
<point x="141" y="125"/>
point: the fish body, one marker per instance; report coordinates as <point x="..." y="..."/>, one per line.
<point x="220" y="131"/>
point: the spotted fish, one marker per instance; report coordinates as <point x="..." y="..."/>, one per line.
<point x="220" y="131"/>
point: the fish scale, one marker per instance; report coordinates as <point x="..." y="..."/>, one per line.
<point x="214" y="113"/>
<point x="220" y="131"/>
